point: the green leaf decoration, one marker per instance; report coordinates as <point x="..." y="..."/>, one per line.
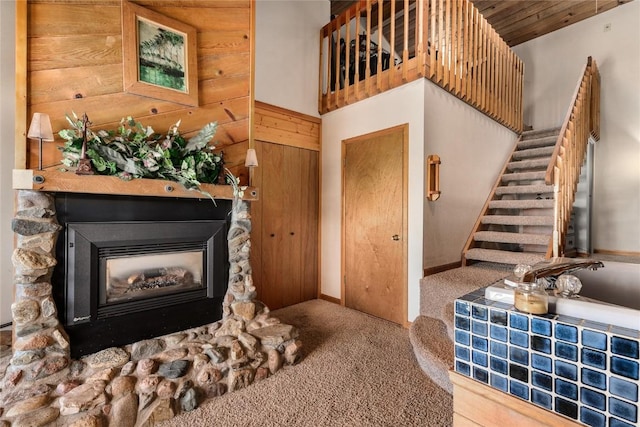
<point x="203" y="137"/>
<point x="136" y="151"/>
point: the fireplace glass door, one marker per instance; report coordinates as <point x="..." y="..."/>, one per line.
<point x="129" y="278"/>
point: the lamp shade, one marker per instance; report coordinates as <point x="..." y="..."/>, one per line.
<point x="40" y="127"/>
<point x="251" y="161"/>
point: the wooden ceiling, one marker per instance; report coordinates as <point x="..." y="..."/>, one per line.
<point x="518" y="21"/>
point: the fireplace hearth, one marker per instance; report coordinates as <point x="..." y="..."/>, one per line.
<point x="159" y="267"/>
<point x="147" y="381"/>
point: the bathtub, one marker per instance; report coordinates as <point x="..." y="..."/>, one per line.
<point x="618" y="283"/>
<point x="609" y="295"/>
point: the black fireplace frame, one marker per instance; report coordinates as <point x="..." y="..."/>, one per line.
<point x="205" y="224"/>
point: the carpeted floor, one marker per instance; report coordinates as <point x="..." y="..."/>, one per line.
<point x="357" y="370"/>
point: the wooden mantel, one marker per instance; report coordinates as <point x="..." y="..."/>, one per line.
<point x="52" y="180"/>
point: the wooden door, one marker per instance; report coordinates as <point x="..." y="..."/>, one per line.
<point x="374" y="224"/>
<point x="285" y="271"/>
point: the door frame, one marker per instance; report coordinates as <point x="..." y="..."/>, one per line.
<point x="404" y="128"/>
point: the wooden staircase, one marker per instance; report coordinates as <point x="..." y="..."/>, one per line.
<point x="526" y="217"/>
<point x="516" y="225"/>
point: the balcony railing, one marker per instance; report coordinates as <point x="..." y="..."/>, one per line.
<point x="377" y="45"/>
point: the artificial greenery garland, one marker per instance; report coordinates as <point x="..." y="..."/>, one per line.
<point x="137" y="151"/>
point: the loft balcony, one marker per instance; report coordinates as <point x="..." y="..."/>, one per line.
<point x="377" y="45"/>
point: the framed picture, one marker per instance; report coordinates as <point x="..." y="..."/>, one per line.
<point x="159" y="56"/>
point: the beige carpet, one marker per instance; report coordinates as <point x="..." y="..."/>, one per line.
<point x="357" y="370"/>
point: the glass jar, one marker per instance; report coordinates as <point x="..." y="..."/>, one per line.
<point x="531" y="298"/>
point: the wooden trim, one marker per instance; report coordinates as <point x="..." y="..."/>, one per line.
<point x="486" y="406"/>
<point x="280" y="110"/>
<point x="319" y="257"/>
<point x="330" y="299"/>
<point x="252" y="84"/>
<point x="440" y="268"/>
<point x="21" y="121"/>
<point x="57" y="181"/>
<point x="405" y="221"/>
<point x="614" y="252"/>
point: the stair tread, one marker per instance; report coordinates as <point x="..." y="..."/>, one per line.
<point x="529" y="164"/>
<point x="547" y="141"/>
<point x="504" y="257"/>
<point x="504" y="237"/>
<point x="523" y="176"/>
<point x="534" y="152"/>
<point x="522" y="204"/>
<point x="524" y="189"/>
<point x="517" y="219"/>
<point x="537" y="133"/>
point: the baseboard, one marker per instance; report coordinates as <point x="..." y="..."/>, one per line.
<point x="618" y="253"/>
<point x="330" y="299"/>
<point x="440" y="268"/>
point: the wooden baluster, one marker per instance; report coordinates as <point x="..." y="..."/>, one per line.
<point x="356" y="53"/>
<point x="483" y="68"/>
<point x="460" y="50"/>
<point x="405" y="44"/>
<point x="465" y="58"/>
<point x="433" y="49"/>
<point x="473" y="55"/>
<point x="320" y="72"/>
<point x="392" y="43"/>
<point x="347" y="55"/>
<point x="451" y="45"/>
<point x="423" y="22"/>
<point x="379" y="55"/>
<point x="477" y="59"/>
<point x="336" y="58"/>
<point x="441" y="42"/>
<point x="446" y="49"/>
<point x="367" y="67"/>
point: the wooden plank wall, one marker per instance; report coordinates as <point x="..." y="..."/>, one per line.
<point x="286" y="127"/>
<point x="74" y="63"/>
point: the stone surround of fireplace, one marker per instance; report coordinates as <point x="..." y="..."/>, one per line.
<point x="142" y="383"/>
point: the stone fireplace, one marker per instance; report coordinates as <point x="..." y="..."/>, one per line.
<point x="144" y="268"/>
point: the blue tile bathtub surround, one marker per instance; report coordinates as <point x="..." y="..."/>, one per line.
<point x="583" y="370"/>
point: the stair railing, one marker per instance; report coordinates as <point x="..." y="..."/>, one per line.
<point x="377" y="45"/>
<point x="582" y="122"/>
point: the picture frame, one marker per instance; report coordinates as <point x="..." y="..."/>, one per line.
<point x="159" y="56"/>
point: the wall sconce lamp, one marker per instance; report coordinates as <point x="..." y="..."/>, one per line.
<point x="251" y="161"/>
<point x="433" y="177"/>
<point x="40" y="129"/>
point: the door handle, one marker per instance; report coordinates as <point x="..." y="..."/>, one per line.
<point x="395" y="237"/>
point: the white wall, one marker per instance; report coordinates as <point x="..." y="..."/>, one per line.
<point x="473" y="149"/>
<point x="402" y="105"/>
<point x="287" y="52"/>
<point x="7" y="140"/>
<point x="553" y="64"/>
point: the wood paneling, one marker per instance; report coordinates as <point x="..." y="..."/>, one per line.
<point x="73" y="62"/>
<point x="281" y="126"/>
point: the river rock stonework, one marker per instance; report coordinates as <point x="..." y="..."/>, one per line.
<point x="140" y="384"/>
